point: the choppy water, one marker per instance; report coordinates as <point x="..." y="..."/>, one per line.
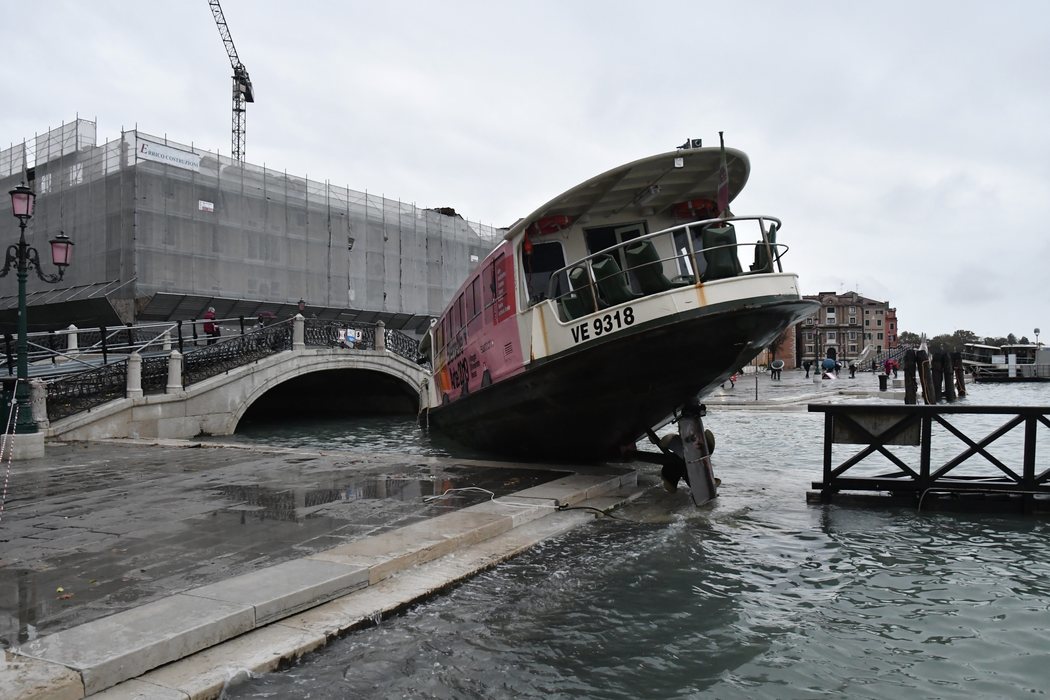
<point x="759" y="596"/>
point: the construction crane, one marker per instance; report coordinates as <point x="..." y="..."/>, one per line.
<point x="242" y="84"/>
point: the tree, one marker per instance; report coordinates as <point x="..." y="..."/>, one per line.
<point x="1024" y="340"/>
<point x="909" y="338"/>
<point x="1011" y="339"/>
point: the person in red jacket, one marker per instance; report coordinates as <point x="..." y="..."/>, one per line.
<point x="211" y="329"/>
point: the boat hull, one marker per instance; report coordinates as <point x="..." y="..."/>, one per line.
<point x="594" y="403"/>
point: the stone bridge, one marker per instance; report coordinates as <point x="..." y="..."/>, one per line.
<point x="208" y="390"/>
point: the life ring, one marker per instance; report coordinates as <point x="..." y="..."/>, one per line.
<point x="550" y="224"/>
<point x="695" y="208"/>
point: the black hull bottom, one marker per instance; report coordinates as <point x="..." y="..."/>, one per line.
<point x="590" y="405"/>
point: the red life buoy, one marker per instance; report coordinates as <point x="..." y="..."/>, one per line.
<point x="550" y="224"/>
<point x="696" y="209"/>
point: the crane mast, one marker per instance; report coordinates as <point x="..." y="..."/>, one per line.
<point x="242" y="84"/>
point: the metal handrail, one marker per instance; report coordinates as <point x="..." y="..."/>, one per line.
<point x="559" y="279"/>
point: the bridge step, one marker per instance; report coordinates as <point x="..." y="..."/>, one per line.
<point x="114" y="649"/>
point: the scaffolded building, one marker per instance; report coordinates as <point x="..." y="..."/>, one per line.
<point x="164" y="230"/>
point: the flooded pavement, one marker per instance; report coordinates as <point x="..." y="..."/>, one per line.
<point x="90" y="530"/>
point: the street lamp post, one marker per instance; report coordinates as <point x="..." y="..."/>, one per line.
<point x="23" y="257"/>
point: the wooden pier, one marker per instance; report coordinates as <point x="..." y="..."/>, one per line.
<point x="1022" y="486"/>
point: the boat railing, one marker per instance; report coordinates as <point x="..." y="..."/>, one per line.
<point x="702" y="251"/>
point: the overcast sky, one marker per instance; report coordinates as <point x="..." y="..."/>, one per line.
<point x="906" y="145"/>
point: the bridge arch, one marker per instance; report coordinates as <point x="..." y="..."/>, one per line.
<point x="375" y="372"/>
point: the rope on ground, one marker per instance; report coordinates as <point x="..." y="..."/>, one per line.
<point x="492" y="497"/>
<point x="12" y="420"/>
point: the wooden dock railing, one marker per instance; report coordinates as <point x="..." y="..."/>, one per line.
<point x="878" y="428"/>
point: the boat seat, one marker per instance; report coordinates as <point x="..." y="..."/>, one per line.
<point x="722" y="262"/>
<point x="644" y="262"/>
<point x="612" y="285"/>
<point x="763" y="261"/>
<point x="573" y="306"/>
<point x="580" y="301"/>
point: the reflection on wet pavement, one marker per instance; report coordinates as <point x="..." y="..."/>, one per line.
<point x="97" y="529"/>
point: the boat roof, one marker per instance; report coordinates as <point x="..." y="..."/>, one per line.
<point x="632" y="184"/>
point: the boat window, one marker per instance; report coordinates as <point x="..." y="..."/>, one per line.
<point x="474" y="305"/>
<point x="540" y="263"/>
<point x="604" y="237"/>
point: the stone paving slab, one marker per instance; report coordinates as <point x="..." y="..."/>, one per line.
<point x="209" y="672"/>
<point x="122" y="646"/>
<point x="279" y="591"/>
<point x="198" y="677"/>
<point x="35" y="679"/>
<point x="417" y="543"/>
<point x="146" y="631"/>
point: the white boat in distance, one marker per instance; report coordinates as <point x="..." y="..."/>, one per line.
<point x="609" y="308"/>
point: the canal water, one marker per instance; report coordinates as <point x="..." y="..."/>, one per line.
<point x="758" y="596"/>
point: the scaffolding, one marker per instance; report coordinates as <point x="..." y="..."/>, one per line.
<point x="158" y="216"/>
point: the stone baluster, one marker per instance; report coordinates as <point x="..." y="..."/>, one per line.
<point x="38" y="403"/>
<point x="380" y="336"/>
<point x="298" y="333"/>
<point x="134" y="387"/>
<point x="71" y="343"/>
<point x="174" y="372"/>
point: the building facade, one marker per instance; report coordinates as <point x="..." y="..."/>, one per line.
<point x="163" y="231"/>
<point x="847" y="323"/>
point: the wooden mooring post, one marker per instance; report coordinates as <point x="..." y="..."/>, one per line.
<point x="909" y="481"/>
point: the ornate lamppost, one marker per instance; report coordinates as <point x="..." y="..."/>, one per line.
<point x="22" y="257"/>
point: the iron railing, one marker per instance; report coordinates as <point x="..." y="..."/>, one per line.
<point x="211" y="360"/>
<point x="155" y="373"/>
<point x="403" y="345"/>
<point x="83" y="391"/>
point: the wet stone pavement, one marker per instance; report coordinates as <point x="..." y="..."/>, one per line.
<point x="93" y="529"/>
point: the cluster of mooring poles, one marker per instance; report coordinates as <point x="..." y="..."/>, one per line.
<point x="940" y="376"/>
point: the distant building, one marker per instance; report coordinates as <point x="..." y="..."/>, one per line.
<point x="784" y="348"/>
<point x="847" y="323"/>
<point x="164" y="230"/>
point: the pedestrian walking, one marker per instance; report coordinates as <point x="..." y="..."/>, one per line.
<point x="211" y="329"/>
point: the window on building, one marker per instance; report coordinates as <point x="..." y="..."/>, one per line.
<point x="852" y="310"/>
<point x="853" y="335"/>
<point x="832" y="336"/>
<point x="809" y="348"/>
<point x="867" y="322"/>
<point x="853" y="348"/>
<point x="878" y="322"/>
<point x="893" y="326"/>
<point x="809" y="335"/>
<point x="880" y="336"/>
<point x="852" y="320"/>
<point x="867" y="312"/>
